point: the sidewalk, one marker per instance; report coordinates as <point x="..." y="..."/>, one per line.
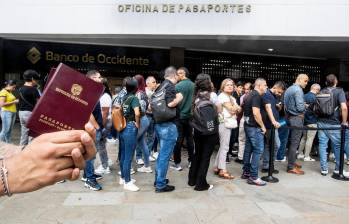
<point x="311" y="198"/>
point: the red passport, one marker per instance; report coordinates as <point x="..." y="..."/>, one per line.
<point x="66" y="103"/>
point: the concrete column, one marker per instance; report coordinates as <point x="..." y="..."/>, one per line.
<point x="177" y="56"/>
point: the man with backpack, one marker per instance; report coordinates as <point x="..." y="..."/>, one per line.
<point x="332" y="111"/>
<point x="163" y="105"/>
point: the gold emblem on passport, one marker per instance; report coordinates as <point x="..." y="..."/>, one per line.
<point x="33" y="55"/>
<point x="76" y="89"/>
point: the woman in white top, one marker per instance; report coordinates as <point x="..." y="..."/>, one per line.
<point x="228" y="110"/>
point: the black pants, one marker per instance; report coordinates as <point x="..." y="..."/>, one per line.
<point x="233" y="139"/>
<point x="184" y="131"/>
<point x="204" y="146"/>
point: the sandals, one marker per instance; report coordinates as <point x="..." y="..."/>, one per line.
<point x="225" y="175"/>
<point x="216" y="171"/>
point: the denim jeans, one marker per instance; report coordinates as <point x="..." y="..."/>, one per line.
<point x="324" y="136"/>
<point x="101" y="148"/>
<point x="167" y="135"/>
<point x="283" y="136"/>
<point x="128" y="138"/>
<point x="89" y="170"/>
<point x="346" y="148"/>
<point x="141" y="140"/>
<point x="23" y="118"/>
<point x="254" y="147"/>
<point x="8" y="120"/>
<point x="151" y="136"/>
<point x="266" y="153"/>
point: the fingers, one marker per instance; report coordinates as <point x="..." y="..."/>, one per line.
<point x="62" y="136"/>
<point x="78" y="159"/>
<point x="64" y="149"/>
<point x="90" y="130"/>
<point x="67" y="174"/>
<point x="63" y="163"/>
<point x="89" y="144"/>
<point x="75" y="174"/>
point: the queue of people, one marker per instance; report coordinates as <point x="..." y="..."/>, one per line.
<point x="249" y="112"/>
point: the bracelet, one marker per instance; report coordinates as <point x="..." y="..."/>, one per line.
<point x="3" y="178"/>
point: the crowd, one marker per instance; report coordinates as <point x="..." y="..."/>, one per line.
<point x="163" y="118"/>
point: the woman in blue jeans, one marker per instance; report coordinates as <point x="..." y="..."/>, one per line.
<point x="128" y="136"/>
<point x="8" y="110"/>
<point x="144" y="125"/>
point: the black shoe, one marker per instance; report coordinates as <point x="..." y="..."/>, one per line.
<point x="166" y="182"/>
<point x="227" y="160"/>
<point x="191" y="184"/>
<point x="97" y="176"/>
<point x="168" y="188"/>
<point x="93" y="185"/>
<point x="267" y="170"/>
<point x="239" y="161"/>
<point x="234" y="154"/>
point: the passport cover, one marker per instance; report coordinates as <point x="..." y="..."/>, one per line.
<point x="66" y="103"/>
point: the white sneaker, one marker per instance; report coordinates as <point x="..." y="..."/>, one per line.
<point x="122" y="181"/>
<point x="300" y="156"/>
<point x="176" y="167"/>
<point x="155" y="155"/>
<point x="152" y="159"/>
<point x="345" y="173"/>
<point x="211" y="186"/>
<point x="144" y="169"/>
<point x="101" y="170"/>
<point x="282" y="160"/>
<point x="308" y="159"/>
<point x="324" y="172"/>
<point x="132" y="172"/>
<point x="111" y="140"/>
<point x="131" y="187"/>
<point x="110" y="162"/>
<point x="140" y="161"/>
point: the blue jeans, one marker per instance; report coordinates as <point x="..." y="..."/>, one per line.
<point x="141" y="140"/>
<point x="253" y="150"/>
<point x="8" y="120"/>
<point x="127" y="147"/>
<point x="167" y="134"/>
<point x="283" y="136"/>
<point x="89" y="170"/>
<point x="151" y="137"/>
<point x="324" y="136"/>
<point x="346" y="148"/>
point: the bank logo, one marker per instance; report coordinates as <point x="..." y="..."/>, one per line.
<point x="76" y="89"/>
<point x="33" y="55"/>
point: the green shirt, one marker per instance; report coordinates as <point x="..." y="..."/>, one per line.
<point x="130" y="102"/>
<point x="186" y="88"/>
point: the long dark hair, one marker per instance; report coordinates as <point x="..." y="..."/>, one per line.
<point x="141" y="83"/>
<point x="106" y="87"/>
<point x="10" y="82"/>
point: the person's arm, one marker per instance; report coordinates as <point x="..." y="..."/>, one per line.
<point x="48" y="159"/>
<point x="3" y="103"/>
<point x="176" y="101"/>
<point x="137" y="116"/>
<point x="344" y="110"/>
<point x="105" y="113"/>
<point x="258" y="118"/>
<point x="299" y="99"/>
<point x="271" y="116"/>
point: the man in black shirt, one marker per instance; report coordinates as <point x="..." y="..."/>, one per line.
<point x="28" y="96"/>
<point x="254" y="130"/>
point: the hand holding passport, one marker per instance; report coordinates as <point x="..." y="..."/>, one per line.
<point x="66" y="103"/>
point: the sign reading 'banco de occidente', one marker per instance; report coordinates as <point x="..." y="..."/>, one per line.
<point x="184" y="8"/>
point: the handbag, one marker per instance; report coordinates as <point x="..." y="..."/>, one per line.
<point x="230" y="121"/>
<point x="118" y="118"/>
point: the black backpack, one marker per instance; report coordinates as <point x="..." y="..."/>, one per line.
<point x="205" y="117"/>
<point x="161" y="112"/>
<point x="325" y="104"/>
